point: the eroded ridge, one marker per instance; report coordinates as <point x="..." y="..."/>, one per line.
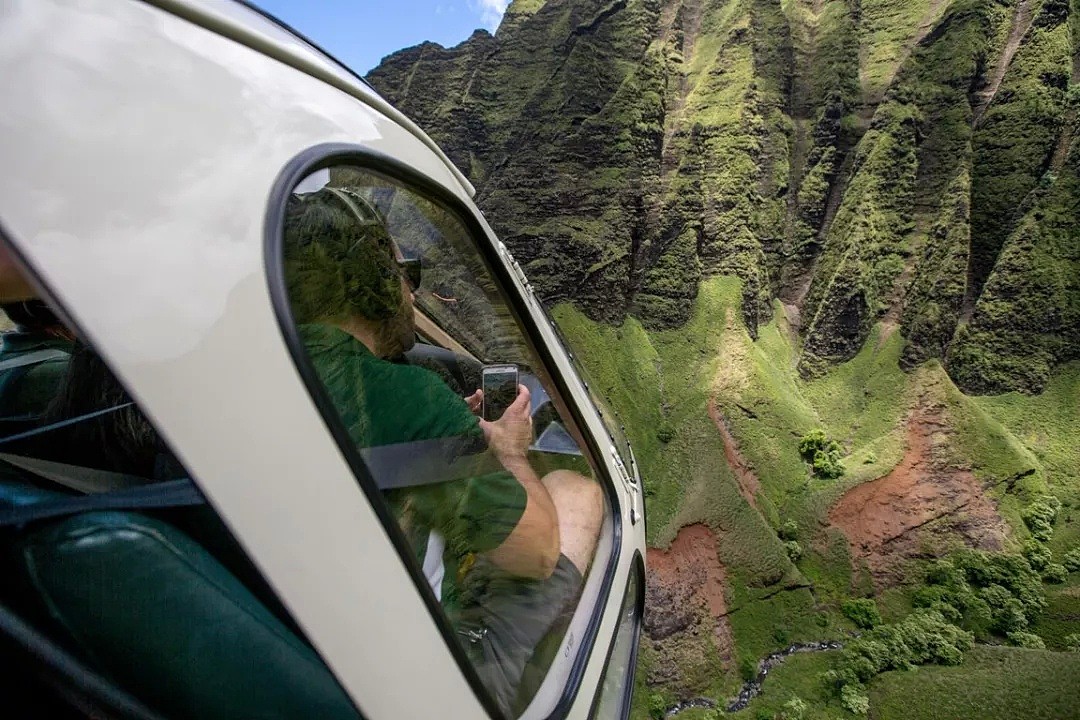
<point x="686" y="607"/>
<point x="897" y="517"/>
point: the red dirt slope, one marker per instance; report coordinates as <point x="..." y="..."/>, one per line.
<point x="925" y="498"/>
<point x="685" y="606"/>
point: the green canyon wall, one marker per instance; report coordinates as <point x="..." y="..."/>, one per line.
<point x="758" y="219"/>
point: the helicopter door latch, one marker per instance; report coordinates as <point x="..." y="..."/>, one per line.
<point x="630" y="485"/>
<point x="515" y="267"/>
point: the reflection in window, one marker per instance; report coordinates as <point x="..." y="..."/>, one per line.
<point x="399" y="316"/>
<point x="616" y="690"/>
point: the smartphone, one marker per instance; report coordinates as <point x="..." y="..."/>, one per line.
<point x="500" y="386"/>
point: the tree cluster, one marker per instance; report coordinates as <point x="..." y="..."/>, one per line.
<point x="822" y="453"/>
<point x="1040" y="515"/>
<point x="862" y="611"/>
<point x="987" y="593"/>
<point x="924" y="637"/>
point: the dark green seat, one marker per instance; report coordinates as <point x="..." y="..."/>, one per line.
<point x="152" y="610"/>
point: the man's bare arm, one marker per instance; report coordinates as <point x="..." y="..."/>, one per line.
<point x="532" y="548"/>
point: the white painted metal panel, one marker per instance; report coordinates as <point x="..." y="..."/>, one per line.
<point x="137" y="186"/>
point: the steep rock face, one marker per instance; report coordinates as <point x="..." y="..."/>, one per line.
<point x="905" y="161"/>
<point x="653" y="136"/>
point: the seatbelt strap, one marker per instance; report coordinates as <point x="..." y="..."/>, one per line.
<point x="75" y="477"/>
<point x="63" y="423"/>
<point x="427" y="462"/>
<point x="395" y="466"/>
<point x="158" y="496"/>
<point x="410" y="464"/>
<point x="33" y="358"/>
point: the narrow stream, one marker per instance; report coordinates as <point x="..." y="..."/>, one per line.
<point x="752" y="688"/>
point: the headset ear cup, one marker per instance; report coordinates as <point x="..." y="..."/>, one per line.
<point x="342" y="260"/>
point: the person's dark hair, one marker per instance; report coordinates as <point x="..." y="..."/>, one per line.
<point x="122" y="440"/>
<point x="28" y="315"/>
<point x="339" y="263"/>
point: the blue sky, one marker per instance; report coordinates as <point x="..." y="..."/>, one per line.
<point x="361" y="32"/>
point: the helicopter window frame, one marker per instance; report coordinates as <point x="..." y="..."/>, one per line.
<point x="325" y="156"/>
<point x="636" y="577"/>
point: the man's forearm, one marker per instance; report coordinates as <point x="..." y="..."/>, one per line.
<point x="532" y="549"/>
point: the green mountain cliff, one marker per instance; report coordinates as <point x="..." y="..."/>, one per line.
<point x="760" y="219"/>
<point x="861" y="160"/>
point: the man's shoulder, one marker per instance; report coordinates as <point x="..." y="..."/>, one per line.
<point x="411" y="402"/>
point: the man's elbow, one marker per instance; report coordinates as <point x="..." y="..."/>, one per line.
<point x="539" y="563"/>
<point x="550" y="557"/>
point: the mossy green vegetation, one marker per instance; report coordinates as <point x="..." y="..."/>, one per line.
<point x="994" y="683"/>
<point x="1047" y="425"/>
<point x="886" y="31"/>
<point x="863" y="612"/>
<point x="822" y="454"/>
<point x="1057" y="623"/>
<point x="663" y="384"/>
<point x="922" y="638"/>
<point x="761" y="219"/>
<point x="989" y="594"/>
<point x="1016" y="137"/>
<point x="863" y="252"/>
<point x="799" y="677"/>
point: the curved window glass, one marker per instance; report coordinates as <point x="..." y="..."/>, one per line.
<point x="611" y="420"/>
<point x="616" y="690"/>
<point x="451" y="414"/>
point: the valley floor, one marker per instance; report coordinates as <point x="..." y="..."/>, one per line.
<point x="754" y="551"/>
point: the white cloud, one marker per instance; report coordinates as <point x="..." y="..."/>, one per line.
<point x="491" y="12"/>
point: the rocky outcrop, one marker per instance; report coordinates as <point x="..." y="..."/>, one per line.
<point x="686" y="610"/>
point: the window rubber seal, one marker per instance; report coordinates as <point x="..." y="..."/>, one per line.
<point x="326" y="155"/>
<point x="637" y="568"/>
<point x="282" y="25"/>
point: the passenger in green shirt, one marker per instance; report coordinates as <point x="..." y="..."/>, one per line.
<point x="386" y="404"/>
<point x="34" y="358"/>
<point x="504" y="550"/>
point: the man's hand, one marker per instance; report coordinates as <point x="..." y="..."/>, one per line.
<point x="475" y="402"/>
<point x="511" y="435"/>
<point x="532" y="549"/>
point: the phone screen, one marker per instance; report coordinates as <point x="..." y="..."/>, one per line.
<point x="500" y="389"/>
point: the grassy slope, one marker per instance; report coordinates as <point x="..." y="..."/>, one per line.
<point x="687" y="478"/>
<point x="887" y="28"/>
<point x="797" y="677"/>
<point x="660" y="383"/>
<point x="1049" y="425"/>
<point x="994" y="683"/>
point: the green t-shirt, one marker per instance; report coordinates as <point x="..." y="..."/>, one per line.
<point x="383" y="403"/>
<point x="27" y="390"/>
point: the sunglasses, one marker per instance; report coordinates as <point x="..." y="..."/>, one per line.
<point x="410" y="270"/>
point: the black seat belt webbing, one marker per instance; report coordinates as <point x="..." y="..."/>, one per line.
<point x="63" y="423"/>
<point x="156" y="496"/>
<point x="394" y="466"/>
<point x="74" y="477"/>
<point x="33" y="358"/>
